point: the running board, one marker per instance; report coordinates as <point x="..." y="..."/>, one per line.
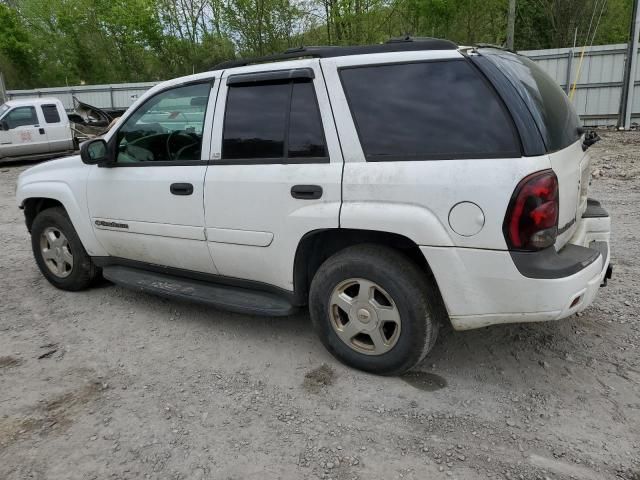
<point x="234" y="299"/>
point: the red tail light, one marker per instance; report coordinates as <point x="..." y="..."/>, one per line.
<point x="531" y="222"/>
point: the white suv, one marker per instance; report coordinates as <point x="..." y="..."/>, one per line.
<point x="389" y="187"/>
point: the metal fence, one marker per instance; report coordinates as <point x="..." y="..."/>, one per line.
<point x="597" y="96"/>
<point x="102" y="96"/>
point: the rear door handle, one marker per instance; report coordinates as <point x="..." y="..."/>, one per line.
<point x="306" y="192"/>
<point x="181" y="188"/>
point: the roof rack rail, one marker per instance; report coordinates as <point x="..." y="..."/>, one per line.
<point x="402" y="44"/>
<point x="493" y="45"/>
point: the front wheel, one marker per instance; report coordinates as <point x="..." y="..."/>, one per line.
<point x="59" y="252"/>
<point x="374" y="309"/>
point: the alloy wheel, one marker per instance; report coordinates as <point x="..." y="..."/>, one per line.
<point x="364" y="316"/>
<point x="56" y="252"/>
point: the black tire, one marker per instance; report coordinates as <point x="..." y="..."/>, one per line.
<point x="415" y="295"/>
<point x="83" y="272"/>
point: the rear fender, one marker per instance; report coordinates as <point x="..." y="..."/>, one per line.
<point x="416" y="223"/>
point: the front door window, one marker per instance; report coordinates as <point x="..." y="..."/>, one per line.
<point x="20" y="117"/>
<point x="167" y="127"/>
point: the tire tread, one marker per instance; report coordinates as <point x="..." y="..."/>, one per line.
<point x="402" y="271"/>
<point x="85" y="271"/>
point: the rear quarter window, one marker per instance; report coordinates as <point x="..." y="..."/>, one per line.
<point x="434" y="110"/>
<point x="550" y="107"/>
<point x="51" y="114"/>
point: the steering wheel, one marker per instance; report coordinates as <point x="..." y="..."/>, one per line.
<point x="175" y="134"/>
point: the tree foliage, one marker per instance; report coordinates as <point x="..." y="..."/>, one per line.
<point x="58" y="42"/>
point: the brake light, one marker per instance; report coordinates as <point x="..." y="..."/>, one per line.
<point x="531" y="222"/>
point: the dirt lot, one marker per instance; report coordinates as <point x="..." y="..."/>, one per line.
<point x="111" y="383"/>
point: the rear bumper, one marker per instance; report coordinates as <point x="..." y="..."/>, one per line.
<point x="486" y="287"/>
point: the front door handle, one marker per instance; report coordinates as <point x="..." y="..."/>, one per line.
<point x="306" y="192"/>
<point x="181" y="188"/>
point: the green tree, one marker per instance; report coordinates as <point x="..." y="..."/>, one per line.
<point x="17" y="60"/>
<point x="58" y="42"/>
<point x="261" y="26"/>
<point x="555" y="23"/>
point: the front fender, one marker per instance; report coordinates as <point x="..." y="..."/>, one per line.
<point x="70" y="192"/>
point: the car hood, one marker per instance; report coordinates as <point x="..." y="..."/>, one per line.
<point x="38" y="180"/>
<point x="53" y="165"/>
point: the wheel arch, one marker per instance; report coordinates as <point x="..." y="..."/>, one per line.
<point x="38" y="196"/>
<point x="34" y="205"/>
<point x="318" y="245"/>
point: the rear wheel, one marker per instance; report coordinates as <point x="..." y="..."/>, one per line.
<point x="59" y="252"/>
<point x="374" y="309"/>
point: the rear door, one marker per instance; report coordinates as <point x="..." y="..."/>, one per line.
<point x="276" y="169"/>
<point x="25" y="135"/>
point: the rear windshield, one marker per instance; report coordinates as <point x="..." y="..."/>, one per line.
<point x="3" y="108"/>
<point x="551" y="108"/>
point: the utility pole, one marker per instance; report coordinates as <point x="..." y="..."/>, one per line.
<point x="511" y="24"/>
<point x="626" y="99"/>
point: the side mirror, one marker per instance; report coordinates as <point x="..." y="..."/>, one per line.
<point x="4" y="125"/>
<point x="94" y="152"/>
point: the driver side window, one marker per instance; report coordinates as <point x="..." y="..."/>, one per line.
<point x="21" y="117"/>
<point x="167" y="127"/>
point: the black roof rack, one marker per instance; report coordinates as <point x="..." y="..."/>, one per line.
<point x="403" y="44"/>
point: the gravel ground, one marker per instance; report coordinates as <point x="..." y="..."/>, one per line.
<point x="111" y="383"/>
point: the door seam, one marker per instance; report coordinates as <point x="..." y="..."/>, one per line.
<point x="335" y="127"/>
<point x="206" y="171"/>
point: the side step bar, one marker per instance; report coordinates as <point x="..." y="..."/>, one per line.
<point x="234" y="299"/>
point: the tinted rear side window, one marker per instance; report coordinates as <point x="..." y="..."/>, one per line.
<point x="277" y="121"/>
<point x="552" y="110"/>
<point x="427" y="110"/>
<point x="306" y="138"/>
<point x="255" y="121"/>
<point x="50" y="113"/>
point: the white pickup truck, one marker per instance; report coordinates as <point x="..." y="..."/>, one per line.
<point x="34" y="128"/>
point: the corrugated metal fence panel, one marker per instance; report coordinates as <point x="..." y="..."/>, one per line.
<point x="102" y="96"/>
<point x="599" y="86"/>
<point x="597" y="95"/>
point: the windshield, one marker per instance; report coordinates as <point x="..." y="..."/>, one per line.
<point x="3" y="108"/>
<point x="552" y="110"/>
